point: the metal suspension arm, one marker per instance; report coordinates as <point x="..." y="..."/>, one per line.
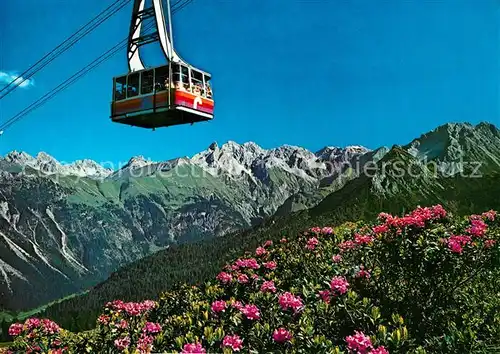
<point x="163" y="34"/>
<point x="166" y="36"/>
<point x="134" y="60"/>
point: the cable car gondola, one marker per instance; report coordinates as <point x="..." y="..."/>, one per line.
<point x="172" y="94"/>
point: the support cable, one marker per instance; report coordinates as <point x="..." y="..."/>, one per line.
<point x="62" y="47"/>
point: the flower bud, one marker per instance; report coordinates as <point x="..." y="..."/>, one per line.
<point x="405" y="333"/>
<point x="396" y="335"/>
<point x="382" y="330"/>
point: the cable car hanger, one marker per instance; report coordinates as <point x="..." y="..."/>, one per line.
<point x="172" y="94"/>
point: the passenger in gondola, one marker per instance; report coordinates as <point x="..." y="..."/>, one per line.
<point x="172" y="85"/>
<point x="166" y="84"/>
<point x="179" y="86"/>
<point x="197" y="89"/>
<point x="209" y="90"/>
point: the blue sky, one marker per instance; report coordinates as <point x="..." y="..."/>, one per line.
<point x="300" y="72"/>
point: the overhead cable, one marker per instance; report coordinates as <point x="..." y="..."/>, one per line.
<point x="64" y="46"/>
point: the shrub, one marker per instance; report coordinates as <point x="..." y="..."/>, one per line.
<point x="423" y="282"/>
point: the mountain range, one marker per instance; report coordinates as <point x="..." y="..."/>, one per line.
<point x="455" y="165"/>
<point x="74" y="224"/>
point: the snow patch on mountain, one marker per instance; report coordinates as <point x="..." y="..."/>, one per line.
<point x="6" y="271"/>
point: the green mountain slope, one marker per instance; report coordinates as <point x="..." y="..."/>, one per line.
<point x="75" y="232"/>
<point x="449" y="150"/>
<point x="461" y="148"/>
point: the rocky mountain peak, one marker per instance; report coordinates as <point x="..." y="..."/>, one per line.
<point x="19" y="157"/>
<point x="89" y="168"/>
<point x="213" y="146"/>
<point x="253" y="147"/>
<point x="331" y="153"/>
<point x="358" y="149"/>
<point x="231" y="158"/>
<point x="452" y="141"/>
<point x="43" y="156"/>
<point x="47" y="164"/>
<point x="241" y="152"/>
<point x="138" y="162"/>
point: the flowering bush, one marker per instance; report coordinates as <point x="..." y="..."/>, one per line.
<point x="124" y="326"/>
<point x="38" y="336"/>
<point x="423" y="282"/>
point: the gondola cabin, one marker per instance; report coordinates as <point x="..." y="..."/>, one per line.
<point x="153" y="98"/>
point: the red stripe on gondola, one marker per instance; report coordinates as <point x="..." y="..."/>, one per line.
<point x="186" y="99"/>
<point x="181" y="98"/>
<point x="189" y="97"/>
